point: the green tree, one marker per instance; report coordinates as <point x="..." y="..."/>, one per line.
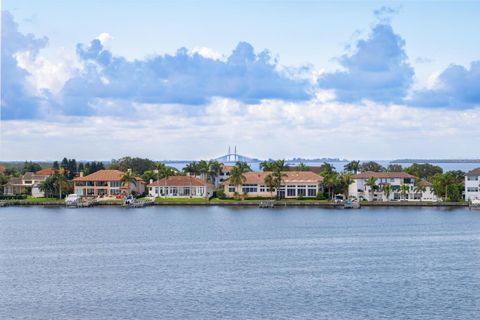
<point x="330" y="180"/>
<point x="236" y="178"/>
<point x="394" y="168"/>
<point x="424" y="171"/>
<point x="372" y="184"/>
<point x="404" y="188"/>
<point x="244" y="167"/>
<point x="345" y="181"/>
<point x="128" y="178"/>
<point x="419" y="189"/>
<point x="192" y="169"/>
<point x="371" y="166"/>
<point x="352" y="166"/>
<point x="137" y="165"/>
<point x="30" y="166"/>
<point x="269" y="183"/>
<point x="386" y="189"/>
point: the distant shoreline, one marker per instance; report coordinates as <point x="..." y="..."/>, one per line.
<point x="435" y="161"/>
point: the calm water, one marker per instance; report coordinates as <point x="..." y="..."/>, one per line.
<point x="227" y="263"/>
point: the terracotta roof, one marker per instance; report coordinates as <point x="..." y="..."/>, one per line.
<point x="180" y="181"/>
<point x="227" y="168"/>
<point x="46" y="172"/>
<point x="382" y="175"/>
<point x="474" y="172"/>
<point x="289" y="177"/>
<point x="424" y="183"/>
<point x="33" y="176"/>
<point x="2" y="169"/>
<point x="104" y="175"/>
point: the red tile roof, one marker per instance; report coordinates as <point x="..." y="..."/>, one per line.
<point x="46" y="172"/>
<point x="180" y="181"/>
<point x="382" y="175"/>
<point x="289" y="177"/>
<point x="227" y="168"/>
<point x="474" y="172"/>
<point x="104" y="175"/>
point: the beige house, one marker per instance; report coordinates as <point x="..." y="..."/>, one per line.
<point x="295" y="184"/>
<point x="106" y="183"/>
<point x="28" y="184"/>
<point x="180" y="187"/>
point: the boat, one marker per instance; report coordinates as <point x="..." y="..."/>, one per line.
<point x="72" y="200"/>
<point x="130" y="202"/>
<point x="474" y="204"/>
<point x="351" y="204"/>
<point x="267" y="204"/>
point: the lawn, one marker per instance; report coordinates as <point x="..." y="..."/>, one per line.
<point x="39" y="200"/>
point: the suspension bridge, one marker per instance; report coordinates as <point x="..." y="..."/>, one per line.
<point x="234" y="157"/>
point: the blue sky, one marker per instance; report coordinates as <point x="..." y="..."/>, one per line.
<point x="389" y="79"/>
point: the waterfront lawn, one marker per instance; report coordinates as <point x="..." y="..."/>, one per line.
<point x="38" y="200"/>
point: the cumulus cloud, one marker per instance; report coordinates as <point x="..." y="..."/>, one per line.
<point x="378" y="70"/>
<point x="18" y="98"/>
<point x="455" y="87"/>
<point x="184" y="78"/>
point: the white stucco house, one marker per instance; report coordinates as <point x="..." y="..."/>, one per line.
<point x="362" y="191"/>
<point x="472" y="185"/>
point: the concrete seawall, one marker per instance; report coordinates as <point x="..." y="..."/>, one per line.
<point x="249" y="204"/>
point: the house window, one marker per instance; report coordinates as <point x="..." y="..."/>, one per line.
<point x="291" y="192"/>
<point x="472" y="189"/>
<point x="472" y="178"/>
<point x="115" y="184"/>
<point x="246" y="188"/>
<point x="231" y="188"/>
<point x="301" y="191"/>
<point x="173" y="191"/>
<point x="263" y="188"/>
<point x="186" y="191"/>
<point x="312" y="192"/>
<point x="114" y="192"/>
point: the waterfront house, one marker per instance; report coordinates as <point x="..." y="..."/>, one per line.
<point x="180" y="187"/>
<point x="28" y="184"/>
<point x="361" y="190"/>
<point x="427" y="194"/>
<point x="106" y="183"/>
<point x="472" y="185"/>
<point x="295" y="184"/>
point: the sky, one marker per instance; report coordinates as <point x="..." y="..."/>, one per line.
<point x="278" y="79"/>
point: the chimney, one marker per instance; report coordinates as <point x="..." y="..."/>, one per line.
<point x="151" y="181"/>
<point x="129" y="170"/>
<point x="81" y="173"/>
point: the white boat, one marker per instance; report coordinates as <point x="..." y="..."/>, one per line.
<point x="475" y="204"/>
<point x="72" y="200"/>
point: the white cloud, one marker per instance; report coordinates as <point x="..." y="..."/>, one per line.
<point x="105" y="39"/>
<point x="270" y="129"/>
<point x="207" y="53"/>
<point x="46" y="73"/>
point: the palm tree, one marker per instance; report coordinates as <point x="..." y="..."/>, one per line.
<point x="277" y="177"/>
<point x="404" y="189"/>
<point x="330" y="180"/>
<point x="128" y="178"/>
<point x="352" y="166"/>
<point x="214" y="170"/>
<point x="192" y="168"/>
<point x="420" y="188"/>
<point x="386" y="189"/>
<point x="236" y="177"/>
<point x="372" y="183"/>
<point x="346" y="179"/>
<point x="266" y="166"/>
<point x="243" y="166"/>
<point x="270" y="183"/>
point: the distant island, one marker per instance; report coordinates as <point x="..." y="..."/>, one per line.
<point x="436" y="161"/>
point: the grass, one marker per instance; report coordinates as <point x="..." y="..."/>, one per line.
<point x="38" y="200"/>
<point x="187" y="200"/>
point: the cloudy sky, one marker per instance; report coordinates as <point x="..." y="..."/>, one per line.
<point x="186" y="79"/>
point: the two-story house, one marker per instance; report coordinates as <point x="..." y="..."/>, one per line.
<point x="106" y="183"/>
<point x="472" y="185"/>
